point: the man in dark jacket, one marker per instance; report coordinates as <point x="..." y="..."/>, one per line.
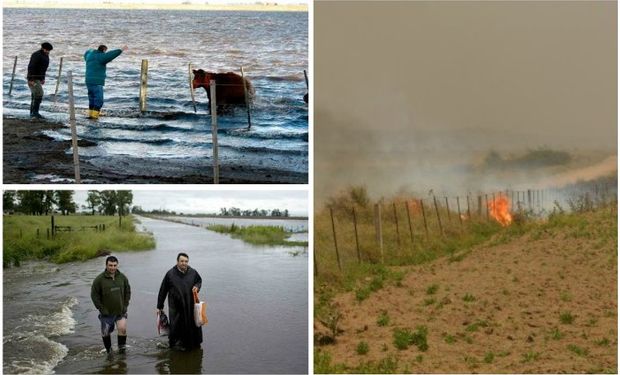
<point x="178" y="285"/>
<point x="37" y="67"/>
<point x="110" y="294"/>
<point x="96" y="61"/>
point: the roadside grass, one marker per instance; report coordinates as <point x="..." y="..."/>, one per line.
<point x="258" y="234"/>
<point x="21" y="242"/>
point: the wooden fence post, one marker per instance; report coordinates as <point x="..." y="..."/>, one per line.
<point x="216" y="166"/>
<point x="247" y="98"/>
<point x="438" y="217"/>
<point x="191" y="85"/>
<point x="480" y="206"/>
<point x="448" y="210"/>
<point x="529" y="199"/>
<point x="331" y="213"/>
<point x="58" y="80"/>
<point x="74" y="142"/>
<point x="357" y="242"/>
<point x="410" y="226"/>
<point x="13" y="76"/>
<point x="379" y="229"/>
<point x="53" y="227"/>
<point x="397" y="229"/>
<point x="458" y="207"/>
<point x="143" y="80"/>
<point x="424" y="218"/>
<point x="48" y="233"/>
<point x="486" y="205"/>
<point x="468" y="209"/>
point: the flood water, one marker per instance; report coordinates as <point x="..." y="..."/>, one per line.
<point x="272" y="47"/>
<point x="257" y="307"/>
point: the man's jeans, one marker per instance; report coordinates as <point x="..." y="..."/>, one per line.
<point x="95" y="96"/>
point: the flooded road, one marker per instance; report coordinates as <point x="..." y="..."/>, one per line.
<point x="257" y="307"/>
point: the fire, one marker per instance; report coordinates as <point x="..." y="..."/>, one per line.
<point x="499" y="209"/>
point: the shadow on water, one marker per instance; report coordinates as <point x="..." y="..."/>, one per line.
<point x="167" y="362"/>
<point x="177" y="362"/>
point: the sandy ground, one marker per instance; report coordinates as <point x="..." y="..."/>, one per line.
<point x="32" y="157"/>
<point x="519" y="290"/>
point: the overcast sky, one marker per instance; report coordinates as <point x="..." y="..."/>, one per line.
<point x="211" y="201"/>
<point x="403" y="89"/>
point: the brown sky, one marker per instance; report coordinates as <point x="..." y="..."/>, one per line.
<point x="410" y="91"/>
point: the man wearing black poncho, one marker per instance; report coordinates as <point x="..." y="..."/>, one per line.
<point x="178" y="285"/>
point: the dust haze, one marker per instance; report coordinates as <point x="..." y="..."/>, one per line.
<point x="414" y="96"/>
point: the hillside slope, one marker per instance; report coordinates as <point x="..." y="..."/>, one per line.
<point x="543" y="302"/>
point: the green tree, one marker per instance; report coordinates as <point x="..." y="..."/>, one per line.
<point x="93" y="201"/>
<point x="64" y="200"/>
<point x="108" y="202"/>
<point x="8" y="200"/>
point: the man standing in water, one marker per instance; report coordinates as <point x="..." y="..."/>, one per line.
<point x="178" y="285"/>
<point x="110" y="293"/>
<point x="37" y="67"/>
<point x="96" y="61"/>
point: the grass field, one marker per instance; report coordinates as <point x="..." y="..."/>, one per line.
<point x="537" y="296"/>
<point x="258" y="234"/>
<point x="22" y="242"/>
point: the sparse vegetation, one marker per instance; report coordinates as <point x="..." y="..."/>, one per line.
<point x="469" y="298"/>
<point x="362" y="348"/>
<point x="489" y="357"/>
<point x="582" y="352"/>
<point x="567" y="318"/>
<point x="432" y="289"/>
<point x="383" y="319"/>
<point x="258" y="234"/>
<point x="530" y="356"/>
<point x="403" y="338"/>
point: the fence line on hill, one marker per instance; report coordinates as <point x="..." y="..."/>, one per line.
<point x="387" y="230"/>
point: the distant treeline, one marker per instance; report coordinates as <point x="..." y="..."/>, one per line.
<point x="45" y="202"/>
<point x="541" y="157"/>
<point x="224" y="212"/>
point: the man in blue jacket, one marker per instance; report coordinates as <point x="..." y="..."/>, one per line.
<point x="96" y="60"/>
<point x="37" y="67"/>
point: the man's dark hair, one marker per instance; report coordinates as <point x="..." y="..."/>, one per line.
<point x="102" y="48"/>
<point x="182" y="255"/>
<point x="112" y="259"/>
<point x="47" y="46"/>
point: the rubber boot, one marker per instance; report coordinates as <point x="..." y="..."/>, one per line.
<point x="95" y="114"/>
<point x="122" y="341"/>
<point x="35" y="108"/>
<point x="107" y="342"/>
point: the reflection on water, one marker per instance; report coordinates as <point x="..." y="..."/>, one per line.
<point x="177" y="362"/>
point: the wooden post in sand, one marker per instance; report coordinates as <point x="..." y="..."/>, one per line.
<point x="216" y="166"/>
<point x="331" y="214"/>
<point x="448" y="210"/>
<point x="191" y="85"/>
<point x="13" y="76"/>
<point x="58" y="80"/>
<point x="74" y="143"/>
<point x="143" y="80"/>
<point x="397" y="229"/>
<point x="378" y="229"/>
<point x="458" y="207"/>
<point x="410" y="226"/>
<point x="424" y="217"/>
<point x="357" y="241"/>
<point x="438" y="217"/>
<point x="247" y="98"/>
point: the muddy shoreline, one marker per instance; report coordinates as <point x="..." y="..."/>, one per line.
<point x="32" y="157"/>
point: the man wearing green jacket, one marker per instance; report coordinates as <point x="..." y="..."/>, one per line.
<point x="96" y="61"/>
<point x="110" y="293"/>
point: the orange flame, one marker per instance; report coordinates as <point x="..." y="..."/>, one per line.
<point x="499" y="209"/>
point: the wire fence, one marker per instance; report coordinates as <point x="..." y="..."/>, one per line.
<point x="399" y="230"/>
